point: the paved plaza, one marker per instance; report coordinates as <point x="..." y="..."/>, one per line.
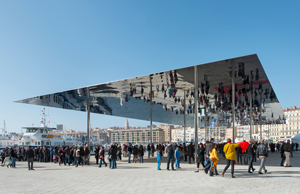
<point x="144" y="178"/>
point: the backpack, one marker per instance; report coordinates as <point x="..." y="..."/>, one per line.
<point x="170" y="150"/>
<point x="77" y="153"/>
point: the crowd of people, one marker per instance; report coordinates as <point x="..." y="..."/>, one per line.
<point x="206" y="156"/>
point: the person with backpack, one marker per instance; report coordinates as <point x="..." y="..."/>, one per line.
<point x="77" y="157"/>
<point x="170" y="153"/>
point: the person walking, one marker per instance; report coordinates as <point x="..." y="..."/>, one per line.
<point x="102" y="157"/>
<point x="282" y="154"/>
<point x="97" y="151"/>
<point x="148" y="150"/>
<point x="135" y="152"/>
<point x="200" y="156"/>
<point x="152" y="150"/>
<point x="6" y="156"/>
<point x="287" y="148"/>
<point x="13" y="155"/>
<point x="141" y="154"/>
<point x="114" y="157"/>
<point x="159" y="159"/>
<point x="129" y="151"/>
<point x="191" y="151"/>
<point x="177" y="157"/>
<point x="262" y="155"/>
<point x="208" y="163"/>
<point x="251" y="155"/>
<point x="213" y="155"/>
<point x="170" y="153"/>
<point x="230" y="154"/>
<point x="185" y="152"/>
<point x="30" y="156"/>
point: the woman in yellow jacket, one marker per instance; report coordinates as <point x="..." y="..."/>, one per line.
<point x="213" y="155"/>
<point x="230" y="154"/>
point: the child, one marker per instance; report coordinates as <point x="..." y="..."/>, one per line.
<point x="159" y="159"/>
<point x="177" y="157"/>
<point x="214" y="159"/>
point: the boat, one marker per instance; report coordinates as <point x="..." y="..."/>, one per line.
<point x="44" y="136"/>
<point x="7" y="139"/>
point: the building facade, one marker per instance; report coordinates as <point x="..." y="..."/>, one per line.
<point x="137" y="136"/>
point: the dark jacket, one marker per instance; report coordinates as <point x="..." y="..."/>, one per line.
<point x="251" y="150"/>
<point x="141" y="152"/>
<point x="96" y="152"/>
<point x="191" y="150"/>
<point x="113" y="153"/>
<point x="13" y="153"/>
<point x="200" y="155"/>
<point x="102" y="153"/>
<point x="287" y="147"/>
<point x="207" y="147"/>
<point x="262" y="150"/>
<point x="30" y="153"/>
<point x="129" y="149"/>
<point x="135" y="151"/>
<point x="148" y="148"/>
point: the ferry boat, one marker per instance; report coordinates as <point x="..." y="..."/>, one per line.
<point x="7" y="140"/>
<point x="44" y="136"/>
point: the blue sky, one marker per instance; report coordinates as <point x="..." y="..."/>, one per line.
<point x="50" y="46"/>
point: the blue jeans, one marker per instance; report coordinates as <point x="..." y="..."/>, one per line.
<point x="205" y="161"/>
<point x="250" y="160"/>
<point x="114" y="163"/>
<point x="67" y="159"/>
<point x="128" y="154"/>
<point x="37" y="157"/>
<point x="170" y="158"/>
<point x="158" y="164"/>
<point x="239" y="158"/>
<point x="102" y="160"/>
<point x="208" y="165"/>
<point x="76" y="161"/>
<point x="12" y="162"/>
<point x="141" y="159"/>
<point x="177" y="162"/>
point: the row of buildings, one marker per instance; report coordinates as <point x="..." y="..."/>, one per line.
<point x="164" y="133"/>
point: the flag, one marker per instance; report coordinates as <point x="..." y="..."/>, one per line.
<point x="244" y="146"/>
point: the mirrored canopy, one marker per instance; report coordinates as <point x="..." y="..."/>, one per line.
<point x="130" y="98"/>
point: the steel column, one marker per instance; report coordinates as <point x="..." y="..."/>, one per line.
<point x="250" y="96"/>
<point x="184" y="117"/>
<point x="233" y="100"/>
<point x="88" y="116"/>
<point x="196" y="98"/>
<point x="151" y="136"/>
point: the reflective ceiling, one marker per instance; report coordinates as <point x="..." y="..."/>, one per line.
<point x="130" y="98"/>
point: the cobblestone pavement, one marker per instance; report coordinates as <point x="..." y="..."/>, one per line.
<point x="144" y="178"/>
